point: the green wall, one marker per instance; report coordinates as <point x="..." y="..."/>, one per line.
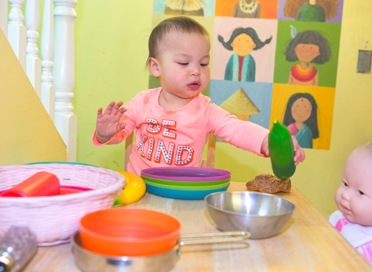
<point x="110" y="54"/>
<point x="111" y="51"/>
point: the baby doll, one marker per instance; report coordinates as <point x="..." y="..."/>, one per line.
<point x="354" y="201"/>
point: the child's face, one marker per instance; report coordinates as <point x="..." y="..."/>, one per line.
<point x="243" y="45"/>
<point x="301" y="109"/>
<point x="354" y="196"/>
<point x="307" y="52"/>
<point x="183" y="64"/>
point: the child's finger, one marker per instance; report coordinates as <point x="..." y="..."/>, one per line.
<point x="299" y="156"/>
<point x="116" y="108"/>
<point x="295" y="143"/>
<point x="121" y="111"/>
<point x="302" y="153"/>
<point x="120" y="127"/>
<point x="266" y="151"/>
<point x="99" y="113"/>
<point x="108" y="110"/>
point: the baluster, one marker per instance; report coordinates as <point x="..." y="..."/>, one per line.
<point x="64" y="73"/>
<point x="47" y="51"/>
<point x="17" y="31"/>
<point x="4" y="16"/>
<point x="33" y="63"/>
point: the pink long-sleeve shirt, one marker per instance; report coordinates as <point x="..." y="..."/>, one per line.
<point x="178" y="137"/>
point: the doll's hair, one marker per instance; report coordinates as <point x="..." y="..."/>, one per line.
<point x="250" y="32"/>
<point x="291" y="7"/>
<point x="179" y="24"/>
<point x="312" y="121"/>
<point x="309" y="37"/>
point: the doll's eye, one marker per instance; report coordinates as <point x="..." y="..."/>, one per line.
<point x="345" y="184"/>
<point x="361" y="193"/>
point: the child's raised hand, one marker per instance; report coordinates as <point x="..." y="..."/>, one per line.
<point x="108" y="123"/>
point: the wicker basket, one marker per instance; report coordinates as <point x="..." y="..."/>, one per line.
<point x="54" y="219"/>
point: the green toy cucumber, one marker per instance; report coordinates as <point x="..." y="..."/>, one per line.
<point x="281" y="151"/>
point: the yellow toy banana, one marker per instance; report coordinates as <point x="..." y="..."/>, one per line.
<point x="134" y="189"/>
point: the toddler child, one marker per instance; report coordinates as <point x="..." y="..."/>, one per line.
<point x="354" y="201"/>
<point x="173" y="122"/>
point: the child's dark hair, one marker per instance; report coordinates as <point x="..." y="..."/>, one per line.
<point x="309" y="37"/>
<point x="312" y="121"/>
<point x="178" y="23"/>
<point x="250" y="32"/>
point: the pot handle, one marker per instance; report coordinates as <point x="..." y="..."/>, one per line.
<point x="213" y="238"/>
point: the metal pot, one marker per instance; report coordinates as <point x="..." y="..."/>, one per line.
<point x="91" y="262"/>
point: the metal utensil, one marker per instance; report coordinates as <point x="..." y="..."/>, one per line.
<point x="263" y="215"/>
<point x="91" y="262"/>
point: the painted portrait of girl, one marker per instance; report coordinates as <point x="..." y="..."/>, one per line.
<point x="306" y="47"/>
<point x="247" y="9"/>
<point x="311" y="10"/>
<point x="241" y="65"/>
<point x="301" y="118"/>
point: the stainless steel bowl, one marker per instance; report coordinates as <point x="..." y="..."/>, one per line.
<point x="88" y="261"/>
<point x="91" y="262"/>
<point x="263" y="215"/>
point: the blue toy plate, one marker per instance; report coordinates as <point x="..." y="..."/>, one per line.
<point x="182" y="194"/>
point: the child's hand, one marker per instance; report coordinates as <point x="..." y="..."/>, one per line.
<point x="299" y="155"/>
<point x="108" y="123"/>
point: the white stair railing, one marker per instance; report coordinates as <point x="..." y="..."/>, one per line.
<point x="17" y="31"/>
<point x="64" y="73"/>
<point x="47" y="51"/>
<point x="3" y="16"/>
<point x="54" y="84"/>
<point x="33" y="63"/>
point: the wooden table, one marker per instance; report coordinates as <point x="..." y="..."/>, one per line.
<point x="307" y="243"/>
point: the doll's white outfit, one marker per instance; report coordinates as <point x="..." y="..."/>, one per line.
<point x="358" y="236"/>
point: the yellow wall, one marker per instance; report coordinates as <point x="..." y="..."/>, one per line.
<point x="111" y="51"/>
<point x="27" y="134"/>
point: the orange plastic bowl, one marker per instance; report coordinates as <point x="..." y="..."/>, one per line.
<point x="129" y="232"/>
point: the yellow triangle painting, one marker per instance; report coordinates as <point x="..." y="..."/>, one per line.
<point x="240" y="105"/>
<point x="27" y="133"/>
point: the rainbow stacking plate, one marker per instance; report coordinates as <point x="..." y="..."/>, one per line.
<point x="182" y="194"/>
<point x="184" y="183"/>
<point x="190" y="174"/>
<point x="209" y="187"/>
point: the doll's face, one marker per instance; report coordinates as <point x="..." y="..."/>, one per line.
<point x="301" y="109"/>
<point x="354" y="196"/>
<point x="243" y="45"/>
<point x="306" y="52"/>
